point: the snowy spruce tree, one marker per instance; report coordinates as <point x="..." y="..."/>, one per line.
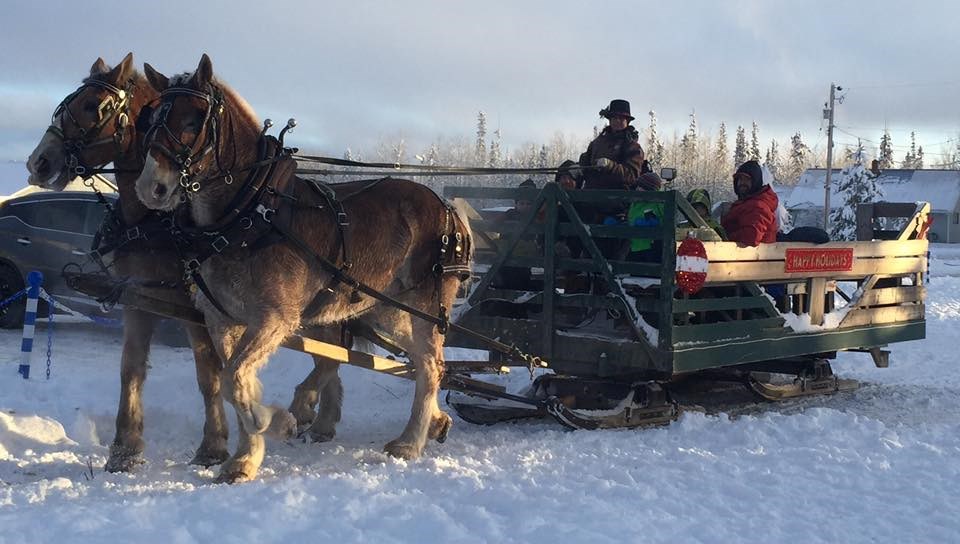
<point x="721" y="157"/>
<point x="910" y="159"/>
<point x="480" y="155"/>
<point x="772" y="160"/>
<point x="754" y="143"/>
<point x="740" y="149"/>
<point x="654" y="147"/>
<point x="688" y="151"/>
<point x="496" y="157"/>
<point x="885" y="159"/>
<point x="797" y="161"/>
<point x="855" y="186"/>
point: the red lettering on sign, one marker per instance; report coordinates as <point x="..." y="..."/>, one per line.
<point x="819" y="260"/>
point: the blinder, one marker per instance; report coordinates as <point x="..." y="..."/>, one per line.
<point x="115" y="106"/>
<point x="144" y="119"/>
<point x="187" y="157"/>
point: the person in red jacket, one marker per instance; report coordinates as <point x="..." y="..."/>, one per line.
<point x="752" y="219"/>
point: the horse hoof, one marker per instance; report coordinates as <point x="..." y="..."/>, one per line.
<point x="123" y="462"/>
<point x="282" y="425"/>
<point x="209" y="458"/>
<point x="304" y="417"/>
<point x="317" y="435"/>
<point x="232" y="477"/>
<point x="402" y="450"/>
<point x="440" y="427"/>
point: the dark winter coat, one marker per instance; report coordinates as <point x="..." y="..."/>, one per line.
<point x="622" y="148"/>
<point x="752" y="220"/>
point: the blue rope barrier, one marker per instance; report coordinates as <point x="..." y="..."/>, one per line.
<point x="13" y="298"/>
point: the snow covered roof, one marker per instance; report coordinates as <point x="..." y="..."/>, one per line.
<point x="13" y="181"/>
<point x="941" y="188"/>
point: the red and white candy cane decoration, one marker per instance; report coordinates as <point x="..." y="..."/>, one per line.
<point x="691" y="265"/>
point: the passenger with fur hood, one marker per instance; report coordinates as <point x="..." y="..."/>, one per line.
<point x="752" y="219"/>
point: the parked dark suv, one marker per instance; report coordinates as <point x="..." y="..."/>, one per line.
<point x="45" y="231"/>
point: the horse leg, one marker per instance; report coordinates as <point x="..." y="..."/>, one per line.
<point x="242" y="466"/>
<point x="425" y="349"/>
<point x="244" y="390"/>
<point x="321" y="386"/>
<point x="324" y="426"/>
<point x="213" y="448"/>
<point x="126" y="451"/>
<point x="306" y="396"/>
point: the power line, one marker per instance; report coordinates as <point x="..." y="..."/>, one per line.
<point x="848" y="133"/>
<point x="889" y="129"/>
<point x="903" y="85"/>
<point x="925" y="152"/>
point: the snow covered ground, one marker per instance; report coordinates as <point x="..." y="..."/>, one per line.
<point x="878" y="465"/>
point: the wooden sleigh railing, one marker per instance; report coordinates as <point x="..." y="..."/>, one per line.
<point x="889" y="273"/>
<point x="733" y="319"/>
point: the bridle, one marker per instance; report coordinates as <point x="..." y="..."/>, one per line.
<point x="188" y="157"/>
<point x="114" y="107"/>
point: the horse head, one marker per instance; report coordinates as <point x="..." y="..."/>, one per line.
<point x="201" y="133"/>
<point x="92" y="126"/>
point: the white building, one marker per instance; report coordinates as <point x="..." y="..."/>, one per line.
<point x="941" y="188"/>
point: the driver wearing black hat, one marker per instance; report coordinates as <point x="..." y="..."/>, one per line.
<point x="614" y="159"/>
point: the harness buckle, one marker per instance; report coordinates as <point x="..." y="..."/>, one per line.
<point x="265" y="212"/>
<point x="246" y="223"/>
<point x="220" y="244"/>
<point x="132" y="233"/>
<point x="342" y="219"/>
<point x="190" y="268"/>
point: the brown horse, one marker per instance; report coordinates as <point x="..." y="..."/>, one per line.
<point x="318" y="252"/>
<point x="92" y="127"/>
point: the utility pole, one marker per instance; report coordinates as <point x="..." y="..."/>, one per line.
<point x="828" y="114"/>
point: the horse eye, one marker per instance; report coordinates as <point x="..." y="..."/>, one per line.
<point x="90" y="107"/>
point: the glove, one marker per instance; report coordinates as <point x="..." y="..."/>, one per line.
<point x="604" y="163"/>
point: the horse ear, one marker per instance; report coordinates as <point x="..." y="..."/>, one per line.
<point x="204" y="73"/>
<point x="122" y="71"/>
<point x="157" y="80"/>
<point x="99" y="67"/>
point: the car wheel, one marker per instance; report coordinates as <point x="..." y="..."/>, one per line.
<point x="11" y="317"/>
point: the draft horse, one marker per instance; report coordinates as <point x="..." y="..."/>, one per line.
<point x="96" y="125"/>
<point x="276" y="252"/>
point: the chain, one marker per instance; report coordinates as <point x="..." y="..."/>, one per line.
<point x="91" y="184"/>
<point x="49" y="338"/>
<point x="533" y="361"/>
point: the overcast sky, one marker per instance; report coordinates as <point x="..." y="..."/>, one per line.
<point x="356" y="72"/>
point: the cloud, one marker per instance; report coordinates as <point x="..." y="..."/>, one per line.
<point x="356" y="72"/>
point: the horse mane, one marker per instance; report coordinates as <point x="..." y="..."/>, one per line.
<point x="244" y="109"/>
<point x="139" y="80"/>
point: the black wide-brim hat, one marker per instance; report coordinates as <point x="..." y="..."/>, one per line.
<point x="617" y="107"/>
